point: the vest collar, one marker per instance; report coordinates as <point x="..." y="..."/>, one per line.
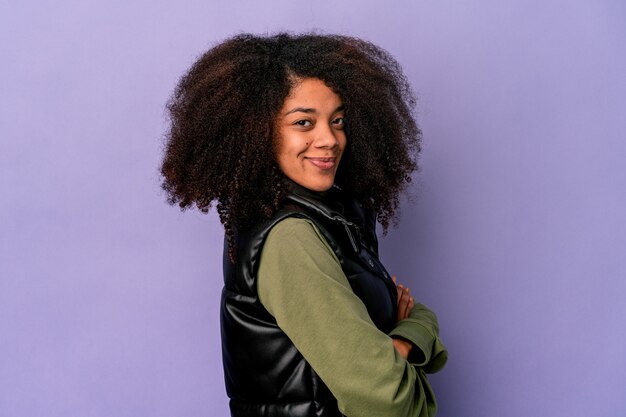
<point x="328" y="204"/>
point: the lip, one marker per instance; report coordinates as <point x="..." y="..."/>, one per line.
<point x="323" y="163"/>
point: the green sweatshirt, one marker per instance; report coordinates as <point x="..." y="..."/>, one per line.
<point x="300" y="282"/>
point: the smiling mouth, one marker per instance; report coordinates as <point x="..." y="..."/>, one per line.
<point x="323" y="163"/>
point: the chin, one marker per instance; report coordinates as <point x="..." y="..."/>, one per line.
<point x="318" y="186"/>
<point x="322" y="188"/>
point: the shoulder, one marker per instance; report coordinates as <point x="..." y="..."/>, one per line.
<point x="296" y="236"/>
<point x="296" y="260"/>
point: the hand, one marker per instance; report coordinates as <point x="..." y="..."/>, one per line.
<point x="402" y="346"/>
<point x="405" y="301"/>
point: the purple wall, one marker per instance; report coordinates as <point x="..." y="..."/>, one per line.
<point x="109" y="297"/>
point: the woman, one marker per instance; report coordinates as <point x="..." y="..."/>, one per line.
<point x="304" y="142"/>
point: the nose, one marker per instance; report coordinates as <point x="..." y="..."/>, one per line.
<point x="326" y="137"/>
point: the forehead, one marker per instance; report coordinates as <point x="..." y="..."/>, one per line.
<point x="313" y="93"/>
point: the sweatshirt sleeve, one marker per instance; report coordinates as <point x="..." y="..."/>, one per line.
<point x="301" y="283"/>
<point x="421" y="328"/>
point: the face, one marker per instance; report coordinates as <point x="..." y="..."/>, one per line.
<point x="310" y="132"/>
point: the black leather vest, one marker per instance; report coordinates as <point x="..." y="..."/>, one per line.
<point x="265" y="374"/>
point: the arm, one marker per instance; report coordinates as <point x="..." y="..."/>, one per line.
<point x="301" y="284"/>
<point x="421" y="329"/>
<point x="416" y="335"/>
<point x="405" y="305"/>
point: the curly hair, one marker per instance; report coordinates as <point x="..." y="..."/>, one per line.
<point x="220" y="146"/>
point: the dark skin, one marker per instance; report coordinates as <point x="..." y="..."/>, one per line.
<point x="405" y="305"/>
<point x="220" y="149"/>
<point x="310" y="135"/>
<point x="221" y="145"/>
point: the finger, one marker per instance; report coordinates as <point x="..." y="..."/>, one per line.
<point x="402" y="306"/>
<point x="407" y="301"/>
<point x="409" y="306"/>
<point x="393" y="278"/>
<point x="401" y="313"/>
<point x="399" y="288"/>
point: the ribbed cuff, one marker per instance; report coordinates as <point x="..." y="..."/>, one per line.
<point x="420" y="336"/>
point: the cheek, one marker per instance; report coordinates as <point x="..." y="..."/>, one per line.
<point x="292" y="146"/>
<point x="287" y="151"/>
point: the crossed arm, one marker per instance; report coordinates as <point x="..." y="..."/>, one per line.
<point x="300" y="282"/>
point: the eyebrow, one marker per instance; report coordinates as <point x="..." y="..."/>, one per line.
<point x="310" y="110"/>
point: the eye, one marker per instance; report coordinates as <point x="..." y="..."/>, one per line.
<point x="338" y="121"/>
<point x="303" y="123"/>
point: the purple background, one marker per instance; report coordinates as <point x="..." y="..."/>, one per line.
<point x="516" y="234"/>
